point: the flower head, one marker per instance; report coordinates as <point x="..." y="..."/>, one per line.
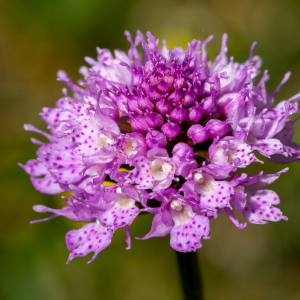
<point x="167" y="129"/>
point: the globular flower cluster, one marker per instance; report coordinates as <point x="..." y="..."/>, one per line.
<point x="162" y="132"/>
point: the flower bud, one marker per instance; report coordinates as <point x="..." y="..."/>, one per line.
<point x="145" y="104"/>
<point x="183" y="150"/>
<point x="133" y="106"/>
<point x="138" y="124"/>
<point x="206" y="88"/>
<point x="194" y="113"/>
<point x="180" y="83"/>
<point x="155" y="138"/>
<point x="154" y="119"/>
<point x="197" y="88"/>
<point x="197" y="133"/>
<point x="189" y="99"/>
<point x="178" y="114"/>
<point x="170" y="130"/>
<point x="155" y="78"/>
<point x="208" y="105"/>
<point x="176" y="97"/>
<point x="169" y="78"/>
<point x="153" y="94"/>
<point x="164" y="87"/>
<point x="163" y="106"/>
<point x="216" y="128"/>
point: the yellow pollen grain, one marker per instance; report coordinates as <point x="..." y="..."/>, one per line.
<point x="108" y="183"/>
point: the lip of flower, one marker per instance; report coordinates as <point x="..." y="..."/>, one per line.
<point x="94" y="170"/>
<point x="128" y="148"/>
<point x="160" y="169"/>
<point x="123" y="200"/>
<point x="103" y="140"/>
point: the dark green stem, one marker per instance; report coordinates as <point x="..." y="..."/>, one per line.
<point x="190" y="275"/>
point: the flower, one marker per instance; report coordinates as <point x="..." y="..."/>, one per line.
<point x="167" y="129"/>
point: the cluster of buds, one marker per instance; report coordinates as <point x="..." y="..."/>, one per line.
<point x="162" y="132"/>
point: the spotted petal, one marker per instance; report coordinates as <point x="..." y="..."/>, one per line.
<point x="91" y="237"/>
<point x="259" y="208"/>
<point x="189" y="228"/>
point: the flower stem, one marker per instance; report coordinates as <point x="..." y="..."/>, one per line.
<point x="190" y="275"/>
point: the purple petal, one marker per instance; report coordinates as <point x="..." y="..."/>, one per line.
<point x="34" y="168"/>
<point x="122" y="213"/>
<point x="234" y="219"/>
<point x="259" y="208"/>
<point x="158" y="228"/>
<point x="128" y="237"/>
<point x="91" y="237"/>
<point x="188" y="230"/>
<point x="46" y="185"/>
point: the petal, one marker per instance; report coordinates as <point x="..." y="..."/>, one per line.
<point x="34" y="168"/>
<point x="46" y="185"/>
<point x="128" y="237"/>
<point x="234" y="219"/>
<point x="259" y="209"/>
<point x="243" y="153"/>
<point x="268" y="147"/>
<point x="214" y="194"/>
<point x="238" y="199"/>
<point x="122" y="213"/>
<point x="142" y="173"/>
<point x="91" y="237"/>
<point x="65" y="165"/>
<point x="189" y="228"/>
<point x="77" y="214"/>
<point x="158" y="228"/>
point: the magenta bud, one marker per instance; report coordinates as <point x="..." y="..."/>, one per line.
<point x="208" y="105"/>
<point x="197" y="133"/>
<point x="224" y="101"/>
<point x="176" y="97"/>
<point x="183" y="150"/>
<point x="133" y="106"/>
<point x="145" y="104"/>
<point x="189" y="99"/>
<point x="197" y="88"/>
<point x="163" y="106"/>
<point x="194" y="113"/>
<point x="178" y="114"/>
<point x="156" y="139"/>
<point x="171" y="130"/>
<point x="144" y="85"/>
<point x="136" y="77"/>
<point x="206" y="88"/>
<point x="155" y="78"/>
<point x="154" y="119"/>
<point x="153" y="94"/>
<point x="216" y="128"/>
<point x="139" y="124"/>
<point x="180" y="83"/>
<point x="164" y="87"/>
<point x="169" y="78"/>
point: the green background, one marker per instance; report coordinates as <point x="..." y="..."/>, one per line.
<point x="38" y="37"/>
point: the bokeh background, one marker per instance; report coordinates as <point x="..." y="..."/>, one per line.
<point x="38" y="37"/>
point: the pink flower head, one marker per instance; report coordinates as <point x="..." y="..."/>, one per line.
<point x="162" y="134"/>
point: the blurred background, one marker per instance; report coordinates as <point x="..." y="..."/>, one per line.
<point x="38" y="37"/>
